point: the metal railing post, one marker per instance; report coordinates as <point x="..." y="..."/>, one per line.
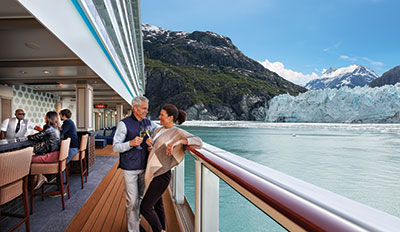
<point x="206" y="199"/>
<point x="178" y="189"/>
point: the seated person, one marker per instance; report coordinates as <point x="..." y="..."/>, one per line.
<point x="49" y="150"/>
<point x="68" y="130"/>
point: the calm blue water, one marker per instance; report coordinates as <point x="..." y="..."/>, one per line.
<point x="358" y="161"/>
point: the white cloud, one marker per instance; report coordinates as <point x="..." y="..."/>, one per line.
<point x="344" y="57"/>
<point x="373" y="62"/>
<point x="290" y="75"/>
<point x="332" y="47"/>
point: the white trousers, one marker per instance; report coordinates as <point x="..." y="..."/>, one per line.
<point x="134" y="186"/>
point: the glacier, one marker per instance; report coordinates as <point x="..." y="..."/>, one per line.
<point x="344" y="105"/>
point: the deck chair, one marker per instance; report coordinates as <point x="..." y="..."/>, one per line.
<point x="14" y="171"/>
<point x="53" y="168"/>
<point x="80" y="156"/>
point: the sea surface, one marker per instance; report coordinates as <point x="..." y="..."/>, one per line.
<point x="358" y="161"/>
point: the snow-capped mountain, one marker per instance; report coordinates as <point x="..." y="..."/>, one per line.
<point x="351" y="76"/>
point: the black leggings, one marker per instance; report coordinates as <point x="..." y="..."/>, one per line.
<point x="152" y="207"/>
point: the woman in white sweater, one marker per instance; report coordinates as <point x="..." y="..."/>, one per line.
<point x="167" y="146"/>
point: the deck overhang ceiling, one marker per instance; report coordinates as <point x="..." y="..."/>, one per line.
<point x="33" y="52"/>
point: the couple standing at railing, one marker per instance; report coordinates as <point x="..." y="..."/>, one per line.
<point x="146" y="160"/>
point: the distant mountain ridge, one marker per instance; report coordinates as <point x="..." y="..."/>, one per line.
<point x="206" y="75"/>
<point x="390" y="77"/>
<point x="351" y="76"/>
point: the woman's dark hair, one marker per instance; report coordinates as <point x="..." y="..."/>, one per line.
<point x="66" y="112"/>
<point x="52" y="119"/>
<point x="179" y="115"/>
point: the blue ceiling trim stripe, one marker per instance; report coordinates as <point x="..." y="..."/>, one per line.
<point x="84" y="17"/>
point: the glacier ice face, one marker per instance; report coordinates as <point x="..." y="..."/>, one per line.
<point x="360" y="104"/>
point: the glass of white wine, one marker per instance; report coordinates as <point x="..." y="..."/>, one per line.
<point x="142" y="134"/>
<point x="148" y="131"/>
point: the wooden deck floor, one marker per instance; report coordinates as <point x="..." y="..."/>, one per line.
<point x="105" y="209"/>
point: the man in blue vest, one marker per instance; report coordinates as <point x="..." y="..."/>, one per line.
<point x="133" y="155"/>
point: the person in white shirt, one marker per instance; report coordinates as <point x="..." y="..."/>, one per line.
<point x="17" y="127"/>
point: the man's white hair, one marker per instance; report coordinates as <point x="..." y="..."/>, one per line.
<point x="136" y="101"/>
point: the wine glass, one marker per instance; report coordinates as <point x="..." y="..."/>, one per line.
<point x="148" y="131"/>
<point x="142" y="134"/>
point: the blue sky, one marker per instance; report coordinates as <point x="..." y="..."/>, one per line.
<point x="296" y="39"/>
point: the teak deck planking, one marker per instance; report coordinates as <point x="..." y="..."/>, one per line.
<point x="105" y="208"/>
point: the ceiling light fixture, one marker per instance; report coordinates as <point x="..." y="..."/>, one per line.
<point x="46" y="72"/>
<point x="23" y="72"/>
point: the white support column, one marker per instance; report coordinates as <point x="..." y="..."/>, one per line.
<point x="113" y="118"/>
<point x="84" y="107"/>
<point x="109" y="118"/>
<point x="178" y="189"/>
<point x="105" y="118"/>
<point x="96" y="119"/>
<point x="206" y="199"/>
<point x="102" y="118"/>
<point x="120" y="113"/>
<point x="6" y="96"/>
<point x="98" y="122"/>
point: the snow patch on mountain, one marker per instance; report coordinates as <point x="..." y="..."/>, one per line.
<point x="351" y="76"/>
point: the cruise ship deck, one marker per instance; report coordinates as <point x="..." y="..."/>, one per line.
<point x="98" y="207"/>
<point x="105" y="209"/>
<point x="87" y="56"/>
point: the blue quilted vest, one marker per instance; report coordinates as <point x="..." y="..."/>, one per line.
<point x="134" y="159"/>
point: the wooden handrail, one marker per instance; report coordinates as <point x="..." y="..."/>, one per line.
<point x="297" y="211"/>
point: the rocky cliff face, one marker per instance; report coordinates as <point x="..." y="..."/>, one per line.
<point x="204" y="74"/>
<point x="390" y="77"/>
